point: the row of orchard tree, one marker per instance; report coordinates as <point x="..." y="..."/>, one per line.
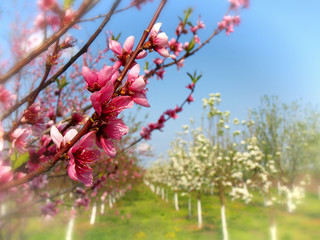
<point x="271" y="149"/>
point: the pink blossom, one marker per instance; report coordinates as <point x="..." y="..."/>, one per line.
<point x="175" y="46"/>
<point x="1" y="136"/>
<point x="116" y="106"/>
<point x="158" y="41"/>
<point x="190" y="99"/>
<point x="135" y="87"/>
<point x="49" y="210"/>
<point x="114" y="130"/>
<point x="19" y="141"/>
<point x="101" y="98"/>
<point x="95" y="81"/>
<point x="197" y="39"/>
<point x="228" y="23"/>
<point x="81" y="155"/>
<point x="123" y="54"/>
<point x="59" y="140"/>
<point x="158" y="61"/>
<point x="5" y="173"/>
<point x="6" y="98"/>
<point x="190" y="86"/>
<point x="68" y="17"/>
<point x="235" y="4"/>
<point x="160" y="73"/>
<point x="46" y="4"/>
<point x="180" y="64"/>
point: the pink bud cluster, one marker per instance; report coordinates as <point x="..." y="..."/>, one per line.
<point x="235" y="4"/>
<point x="228" y="23"/>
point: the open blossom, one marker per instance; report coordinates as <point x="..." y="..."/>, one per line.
<point x="114" y="130"/>
<point x="200" y="25"/>
<point x="19" y="139"/>
<point x="123" y="54"/>
<point x="5" y="173"/>
<point x="1" y="137"/>
<point x="135" y="87"/>
<point x="59" y="140"/>
<point x="46" y="4"/>
<point x="158" y="41"/>
<point x="95" y="81"/>
<point x="81" y="156"/>
<point x="175" y="47"/>
<point x="6" y="98"/>
<point x="235" y="4"/>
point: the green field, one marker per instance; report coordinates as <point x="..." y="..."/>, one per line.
<point x="152" y="218"/>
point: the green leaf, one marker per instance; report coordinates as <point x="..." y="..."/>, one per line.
<point x="67" y="3"/>
<point x="187" y="14"/>
<point x="191" y="45"/>
<point x="19" y="160"/>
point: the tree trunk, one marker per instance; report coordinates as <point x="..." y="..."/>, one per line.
<point x="162" y="193"/>
<point x="176" y="201"/>
<point x="223" y="214"/>
<point x="199" y="211"/>
<point x="273" y="228"/>
<point x="102" y="208"/>
<point x="70" y="228"/>
<point x="110" y="202"/>
<point x="189" y="205"/>
<point x="93" y="214"/>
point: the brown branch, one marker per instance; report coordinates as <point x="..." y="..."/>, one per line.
<point x="48" y="165"/>
<point x="140" y="44"/>
<point x="66" y="66"/>
<point x="19" y="65"/>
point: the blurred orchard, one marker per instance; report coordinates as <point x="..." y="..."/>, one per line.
<point x="69" y="145"/>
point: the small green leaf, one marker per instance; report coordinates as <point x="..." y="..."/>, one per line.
<point x="67" y="3"/>
<point x="191" y="45"/>
<point x="20" y="160"/>
<point x="115" y="38"/>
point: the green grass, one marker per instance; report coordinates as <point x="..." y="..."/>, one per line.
<point x="153" y="218"/>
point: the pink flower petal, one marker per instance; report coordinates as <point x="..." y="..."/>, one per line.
<point x="163" y="52"/>
<point x="116" y="129"/>
<point x="155" y="29"/>
<point x="95" y="100"/>
<point x="69" y="135"/>
<point x="108" y="147"/>
<point x="115" y="47"/>
<point x="142" y="55"/>
<point x="141" y="99"/>
<point x="90" y="76"/>
<point x="134" y="72"/>
<point x="105" y="74"/>
<point x="138" y="85"/>
<point x="56" y="136"/>
<point x="128" y="44"/>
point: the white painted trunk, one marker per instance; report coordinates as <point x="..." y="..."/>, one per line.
<point x="162" y="193"/>
<point x="113" y="200"/>
<point x="199" y="213"/>
<point x="278" y="187"/>
<point x="70" y="228"/>
<point x="102" y="208"/>
<point x="110" y="202"/>
<point x="273" y="231"/>
<point x="189" y="206"/>
<point x="167" y="195"/>
<point x="176" y="201"/>
<point x="211" y="190"/>
<point x="93" y="214"/>
<point x="224" y="223"/>
<point x="3" y="209"/>
<point x="290" y="205"/>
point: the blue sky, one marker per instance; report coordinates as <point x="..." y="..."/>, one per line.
<point x="274" y="51"/>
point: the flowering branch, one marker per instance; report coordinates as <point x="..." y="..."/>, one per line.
<point x="19" y="65"/>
